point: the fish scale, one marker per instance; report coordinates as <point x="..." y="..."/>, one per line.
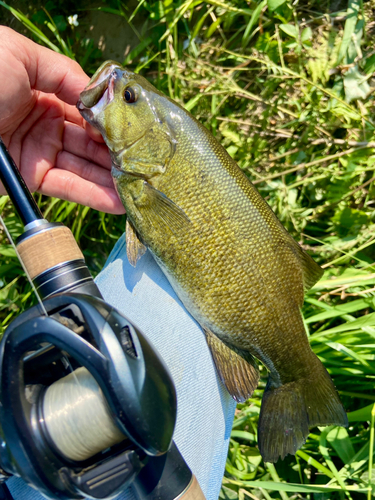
<point x="241" y="274"/>
<point x="227" y="256"/>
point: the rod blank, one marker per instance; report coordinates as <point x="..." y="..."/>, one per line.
<point x="18" y="192"/>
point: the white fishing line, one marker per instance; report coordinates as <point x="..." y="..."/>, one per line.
<point x="77" y="417"/>
<point x="24" y="267"/>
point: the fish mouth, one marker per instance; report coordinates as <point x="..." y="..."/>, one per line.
<point x="99" y="91"/>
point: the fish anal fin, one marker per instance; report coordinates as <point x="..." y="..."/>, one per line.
<point x="288" y="411"/>
<point x="237" y="368"/>
<point x="134" y="247"/>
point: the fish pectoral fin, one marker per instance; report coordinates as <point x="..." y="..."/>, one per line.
<point x="237" y="368"/>
<point x="134" y="247"/>
<point x="161" y="211"/>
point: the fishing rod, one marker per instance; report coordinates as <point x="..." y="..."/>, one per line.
<point x="87" y="407"/>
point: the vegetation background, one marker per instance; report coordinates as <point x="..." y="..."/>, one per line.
<point x="287" y="88"/>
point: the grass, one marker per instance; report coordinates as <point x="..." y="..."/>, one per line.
<point x="287" y="89"/>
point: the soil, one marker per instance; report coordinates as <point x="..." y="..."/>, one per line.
<point x="111" y="34"/>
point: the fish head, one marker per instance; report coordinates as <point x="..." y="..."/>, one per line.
<point x="123" y="106"/>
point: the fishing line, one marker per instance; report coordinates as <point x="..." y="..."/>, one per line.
<point x="68" y="364"/>
<point x="77" y="417"/>
<point x="24" y="267"/>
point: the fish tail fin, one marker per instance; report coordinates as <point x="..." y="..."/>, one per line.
<point x="288" y="411"/>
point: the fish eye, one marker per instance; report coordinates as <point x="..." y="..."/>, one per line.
<point x="130" y="95"/>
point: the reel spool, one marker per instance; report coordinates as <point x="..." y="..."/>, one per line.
<point x="46" y="438"/>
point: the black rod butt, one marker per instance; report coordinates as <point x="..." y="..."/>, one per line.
<point x="16" y="187"/>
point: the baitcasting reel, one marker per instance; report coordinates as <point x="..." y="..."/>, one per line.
<point x="83" y="354"/>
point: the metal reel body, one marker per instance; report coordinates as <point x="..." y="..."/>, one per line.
<point x="135" y="383"/>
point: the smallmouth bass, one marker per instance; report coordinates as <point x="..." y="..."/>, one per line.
<point x="233" y="265"/>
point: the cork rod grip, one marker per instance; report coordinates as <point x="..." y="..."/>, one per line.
<point x="47" y="249"/>
<point x="193" y="492"/>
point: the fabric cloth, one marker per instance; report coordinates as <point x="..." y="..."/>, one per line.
<point x="205" y="410"/>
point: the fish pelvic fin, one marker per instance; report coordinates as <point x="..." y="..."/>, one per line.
<point x="288" y="411"/>
<point x="134" y="247"/>
<point x="237" y="368"/>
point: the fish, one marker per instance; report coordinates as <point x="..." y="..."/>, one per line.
<point x="234" y="266"/>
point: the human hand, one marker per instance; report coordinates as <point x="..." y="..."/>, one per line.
<point x="43" y="130"/>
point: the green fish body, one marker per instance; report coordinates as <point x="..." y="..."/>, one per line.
<point x="227" y="256"/>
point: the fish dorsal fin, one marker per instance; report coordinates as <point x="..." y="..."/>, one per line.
<point x="134" y="247"/>
<point x="311" y="271"/>
<point x="163" y="212"/>
<point x="237" y="368"/>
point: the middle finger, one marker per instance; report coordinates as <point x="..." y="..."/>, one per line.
<point x="78" y="142"/>
<point x="84" y="168"/>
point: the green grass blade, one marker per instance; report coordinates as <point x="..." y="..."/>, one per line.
<point x="367" y="320"/>
<point x="371" y="453"/>
<point x="272" y="470"/>
<point x="361" y="415"/>
<point x="350" y="24"/>
<point x="137" y="50"/>
<point x="337" y="311"/>
<point x="31" y="26"/>
<point x="339" y="439"/>
<point x="297" y="488"/>
<point x="325" y="453"/>
<point x="253" y="20"/>
<point x="311" y="461"/>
